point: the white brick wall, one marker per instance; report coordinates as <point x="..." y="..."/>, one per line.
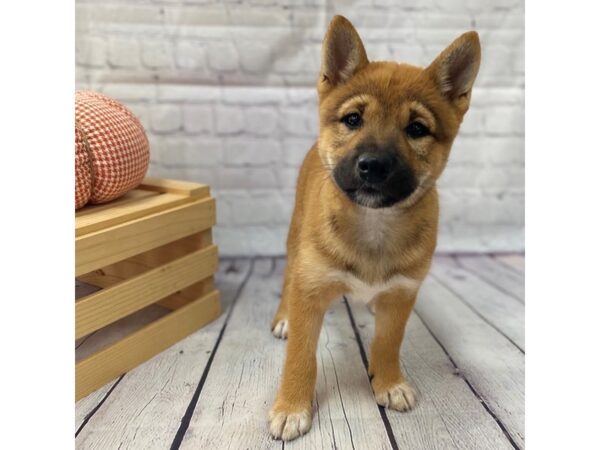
<point x="226" y="93"/>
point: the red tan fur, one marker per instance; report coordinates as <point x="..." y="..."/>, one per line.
<point x="335" y="245"/>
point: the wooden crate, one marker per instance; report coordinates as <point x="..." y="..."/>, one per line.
<point x="152" y="246"/>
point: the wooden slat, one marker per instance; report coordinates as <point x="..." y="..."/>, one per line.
<point x="106" y="306"/>
<point x="241" y="385"/>
<point x="122" y="213"/>
<point x="176" y="187"/>
<point x="495" y="273"/>
<point x="136" y="265"/>
<point x="131" y="196"/>
<point x="174" y="301"/>
<point x="448" y="415"/>
<point x="154" y="396"/>
<point x="494" y="367"/>
<point x="101" y="248"/>
<point x="100" y="368"/>
<point x="502" y="311"/>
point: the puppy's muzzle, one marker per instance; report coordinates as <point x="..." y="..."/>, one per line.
<point x="375" y="177"/>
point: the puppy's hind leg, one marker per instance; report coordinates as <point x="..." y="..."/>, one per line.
<point x="279" y="324"/>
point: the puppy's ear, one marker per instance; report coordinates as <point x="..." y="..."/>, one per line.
<point x="455" y="69"/>
<point x="342" y="55"/>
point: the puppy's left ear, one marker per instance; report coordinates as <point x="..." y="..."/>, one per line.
<point x="456" y="68"/>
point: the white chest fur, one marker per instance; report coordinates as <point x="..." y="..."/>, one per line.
<point x="364" y="292"/>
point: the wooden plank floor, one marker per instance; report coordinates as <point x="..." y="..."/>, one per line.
<point x="464" y="352"/>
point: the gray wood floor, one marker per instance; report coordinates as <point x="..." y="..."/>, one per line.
<point x="463" y="351"/>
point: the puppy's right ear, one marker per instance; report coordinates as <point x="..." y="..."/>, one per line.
<point x="342" y="55"/>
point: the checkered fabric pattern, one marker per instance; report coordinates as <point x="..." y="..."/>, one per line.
<point x="112" y="152"/>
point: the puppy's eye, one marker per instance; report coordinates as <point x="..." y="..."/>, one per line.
<point x="352" y="120"/>
<point x="416" y="130"/>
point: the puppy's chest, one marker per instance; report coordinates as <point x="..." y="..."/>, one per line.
<point x="360" y="290"/>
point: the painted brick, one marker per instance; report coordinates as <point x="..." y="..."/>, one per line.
<point x="267" y="208"/>
<point x="196" y="15"/>
<point x="505" y="120"/>
<point x="186" y="93"/>
<point x="251" y="152"/>
<point x="472" y="124"/>
<point x="123" y="52"/>
<point x="226" y="92"/>
<point x="190" y="55"/>
<point x="500" y="177"/>
<point x="252" y="16"/>
<point x="504" y="150"/>
<point x="468" y="151"/>
<point x="295" y="149"/>
<point x="300" y="123"/>
<point x="91" y="51"/>
<point x="128" y="13"/>
<point x="156" y="53"/>
<point x="261" y="121"/>
<point x="222" y="57"/>
<point x="247" y="178"/>
<point x="305" y="59"/>
<point x="181" y="151"/>
<point x="129" y="92"/>
<point x="409" y="53"/>
<point x="254" y="57"/>
<point x="165" y="118"/>
<point x="229" y="120"/>
<point x="301" y="96"/>
<point x="253" y="96"/>
<point x="198" y="119"/>
<point x="154" y="143"/>
<point x="287" y="177"/>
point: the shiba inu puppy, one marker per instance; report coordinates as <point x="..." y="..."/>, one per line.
<point x="366" y="213"/>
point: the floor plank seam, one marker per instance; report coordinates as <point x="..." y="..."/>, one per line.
<point x="97" y="407"/>
<point x="185" y="420"/>
<point x="363" y="356"/>
<point x="468" y="383"/>
<point x="477" y="313"/>
<point x="487" y="281"/>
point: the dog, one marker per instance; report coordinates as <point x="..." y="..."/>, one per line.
<point x="366" y="211"/>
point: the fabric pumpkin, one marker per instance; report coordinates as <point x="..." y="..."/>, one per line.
<point x="112" y="152"/>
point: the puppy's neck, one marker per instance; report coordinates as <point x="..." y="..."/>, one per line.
<point x="375" y="226"/>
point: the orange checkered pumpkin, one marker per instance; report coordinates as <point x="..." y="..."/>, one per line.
<point x="111" y="149"/>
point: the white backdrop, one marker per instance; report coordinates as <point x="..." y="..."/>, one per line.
<point x="225" y="90"/>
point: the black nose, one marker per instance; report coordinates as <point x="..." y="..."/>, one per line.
<point x="373" y="168"/>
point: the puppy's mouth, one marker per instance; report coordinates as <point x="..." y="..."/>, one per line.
<point x="371" y="197"/>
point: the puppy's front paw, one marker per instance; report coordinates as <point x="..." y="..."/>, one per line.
<point x="289" y="425"/>
<point x="280" y="330"/>
<point x="399" y="396"/>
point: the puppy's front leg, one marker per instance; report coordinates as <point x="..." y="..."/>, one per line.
<point x="389" y="385"/>
<point x="291" y="414"/>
